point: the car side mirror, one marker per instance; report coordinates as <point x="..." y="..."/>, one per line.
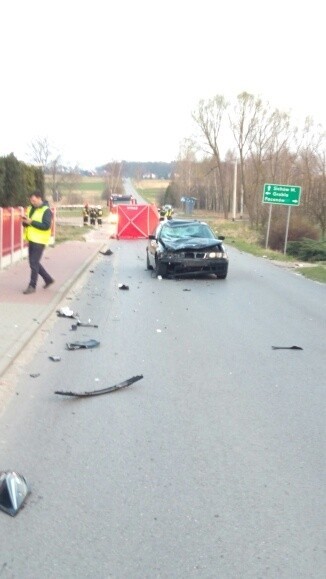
<point x="221" y="237"/>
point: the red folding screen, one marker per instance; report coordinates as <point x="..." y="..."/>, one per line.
<point x="136" y="221"/>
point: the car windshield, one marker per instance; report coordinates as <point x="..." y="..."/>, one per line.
<point x="184" y="231"/>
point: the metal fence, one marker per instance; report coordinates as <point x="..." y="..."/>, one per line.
<point x="12" y="245"/>
<point x="70" y="215"/>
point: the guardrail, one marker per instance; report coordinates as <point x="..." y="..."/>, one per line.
<point x="12" y="245"/>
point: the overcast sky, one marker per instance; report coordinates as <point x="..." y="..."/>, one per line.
<point x="107" y="80"/>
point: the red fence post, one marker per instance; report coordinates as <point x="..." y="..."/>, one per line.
<point x="1" y="236"/>
<point x="12" y="234"/>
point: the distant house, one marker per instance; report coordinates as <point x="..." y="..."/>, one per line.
<point x="149" y="176"/>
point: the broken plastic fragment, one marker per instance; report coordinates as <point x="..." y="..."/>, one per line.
<point x="286" y="348"/>
<point x="65" y="313"/>
<point x="13" y="492"/>
<point x="122" y="286"/>
<point x="104" y="390"/>
<point x="83" y="345"/>
<point x="55" y="358"/>
<point x="107" y="252"/>
<point x="34" y="375"/>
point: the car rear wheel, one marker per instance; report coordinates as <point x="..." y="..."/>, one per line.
<point x="221" y="276"/>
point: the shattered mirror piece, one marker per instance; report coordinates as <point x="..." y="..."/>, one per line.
<point x="66" y="313"/>
<point x="86" y="344"/>
<point x="103" y="390"/>
<point x="123" y="286"/>
<point x="286" y="348"/>
<point x="107" y="252"/>
<point x="55" y="358"/>
<point x="13" y="492"/>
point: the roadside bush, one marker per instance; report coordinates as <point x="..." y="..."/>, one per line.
<point x="299" y="229"/>
<point x="169" y="196"/>
<point x="307" y="250"/>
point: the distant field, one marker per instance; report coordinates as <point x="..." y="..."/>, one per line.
<point x="96" y="185"/>
<point x="152" y="183"/>
<point x="83" y="190"/>
<point x="151" y="189"/>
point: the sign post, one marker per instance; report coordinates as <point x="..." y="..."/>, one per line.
<point x="281" y="195"/>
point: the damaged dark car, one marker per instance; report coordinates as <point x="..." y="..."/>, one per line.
<point x="180" y="247"/>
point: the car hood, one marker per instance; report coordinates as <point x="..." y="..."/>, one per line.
<point x="191" y="243"/>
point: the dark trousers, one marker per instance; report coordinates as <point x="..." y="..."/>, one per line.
<point x="35" y="251"/>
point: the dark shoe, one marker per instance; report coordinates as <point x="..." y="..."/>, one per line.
<point x="48" y="283"/>
<point x="29" y="290"/>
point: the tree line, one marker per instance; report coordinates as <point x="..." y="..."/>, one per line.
<point x="18" y="180"/>
<point x="268" y="148"/>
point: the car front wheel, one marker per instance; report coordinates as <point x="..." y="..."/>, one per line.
<point x="160" y="268"/>
<point x="148" y="265"/>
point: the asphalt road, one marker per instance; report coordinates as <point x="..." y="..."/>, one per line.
<point x="211" y="466"/>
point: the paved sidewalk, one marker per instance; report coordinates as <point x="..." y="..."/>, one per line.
<point x="22" y="315"/>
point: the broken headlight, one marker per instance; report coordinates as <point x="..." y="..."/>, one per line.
<point x="216" y="254"/>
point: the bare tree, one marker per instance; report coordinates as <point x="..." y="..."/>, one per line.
<point x="243" y="123"/>
<point x="40" y="151"/>
<point x="209" y="117"/>
<point x="113" y="181"/>
<point x="269" y="159"/>
<point x="311" y="166"/>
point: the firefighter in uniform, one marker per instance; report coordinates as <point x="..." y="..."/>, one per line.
<point x="85" y="214"/>
<point x="92" y="215"/>
<point x="99" y="215"/>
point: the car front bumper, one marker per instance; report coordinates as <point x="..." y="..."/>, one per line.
<point x="186" y="266"/>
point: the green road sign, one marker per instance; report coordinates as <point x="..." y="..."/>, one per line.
<point x="281" y="194"/>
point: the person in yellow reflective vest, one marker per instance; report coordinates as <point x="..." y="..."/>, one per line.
<point x="168" y="211"/>
<point x="37" y="231"/>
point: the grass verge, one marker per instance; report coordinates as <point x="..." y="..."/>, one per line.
<point x="316" y="273"/>
<point x="70" y="233"/>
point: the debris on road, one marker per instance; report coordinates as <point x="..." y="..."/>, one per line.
<point x="287" y="348"/>
<point x="83" y="345"/>
<point x="104" y="390"/>
<point x="107" y="252"/>
<point x="35" y="375"/>
<point x="55" y="358"/>
<point x="122" y="286"/>
<point x="83" y="325"/>
<point x="86" y="324"/>
<point x="66" y="313"/>
<point x="13" y="492"/>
